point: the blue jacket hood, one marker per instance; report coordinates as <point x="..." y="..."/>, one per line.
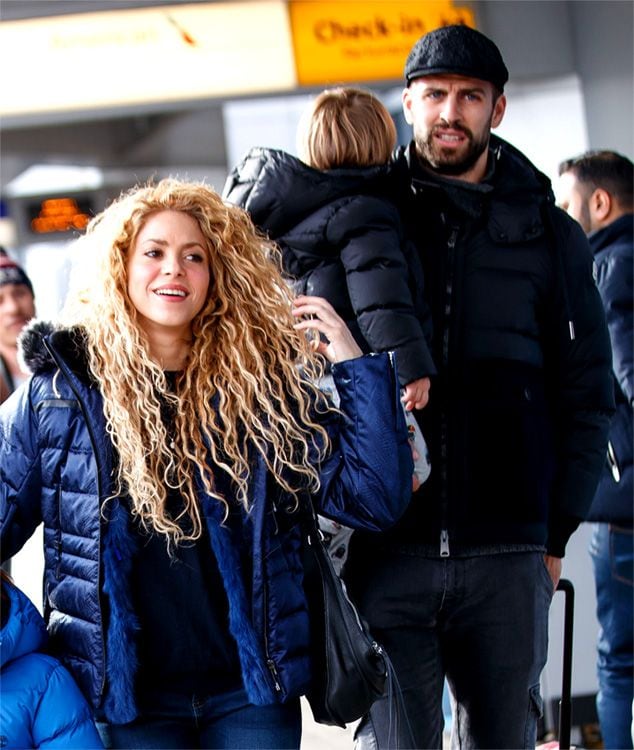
<point x="41" y="706"/>
<point x="24" y="631"/>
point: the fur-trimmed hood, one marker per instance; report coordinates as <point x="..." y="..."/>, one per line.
<point x="69" y="342"/>
<point x="36" y="355"/>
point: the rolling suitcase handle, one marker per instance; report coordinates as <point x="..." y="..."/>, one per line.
<point x="565" y="704"/>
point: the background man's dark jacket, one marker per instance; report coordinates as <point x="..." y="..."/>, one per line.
<point x="342" y="239"/>
<point x="612" y="248"/>
<point x="518" y="418"/>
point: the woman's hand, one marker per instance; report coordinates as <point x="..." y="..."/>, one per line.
<point x="319" y="315"/>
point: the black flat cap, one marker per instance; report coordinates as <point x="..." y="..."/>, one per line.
<point x="460" y="50"/>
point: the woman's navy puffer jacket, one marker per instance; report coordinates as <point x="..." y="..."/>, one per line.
<point x="56" y="467"/>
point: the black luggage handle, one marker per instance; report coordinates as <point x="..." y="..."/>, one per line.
<point x="565" y="704"/>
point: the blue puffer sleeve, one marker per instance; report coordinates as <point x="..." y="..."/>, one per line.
<point x="63" y="718"/>
<point x="20" y="478"/>
<point x="367" y="478"/>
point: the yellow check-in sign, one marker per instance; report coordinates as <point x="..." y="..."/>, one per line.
<point x="342" y="41"/>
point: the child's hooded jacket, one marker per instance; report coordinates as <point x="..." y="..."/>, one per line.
<point x="41" y="706"/>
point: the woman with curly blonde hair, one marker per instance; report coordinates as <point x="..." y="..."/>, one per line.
<point x="167" y="439"/>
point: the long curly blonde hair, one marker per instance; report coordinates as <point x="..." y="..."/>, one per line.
<point x="247" y="383"/>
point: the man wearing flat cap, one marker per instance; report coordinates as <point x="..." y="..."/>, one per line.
<point x="517" y="423"/>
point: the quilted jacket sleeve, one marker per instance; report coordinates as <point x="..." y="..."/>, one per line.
<point x="367" y="478"/>
<point x="368" y="232"/>
<point x="20" y="478"/>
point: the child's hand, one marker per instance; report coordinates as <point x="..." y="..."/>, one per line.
<point x="416" y="483"/>
<point x="416" y="394"/>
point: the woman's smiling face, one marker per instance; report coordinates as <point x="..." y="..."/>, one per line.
<point x="168" y="273"/>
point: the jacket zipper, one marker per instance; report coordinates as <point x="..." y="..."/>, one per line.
<point x="270" y="663"/>
<point x="451" y="247"/>
<point x="59" y="362"/>
<point x="444" y="448"/>
<point x="272" y="667"/>
<point x="58" y="536"/>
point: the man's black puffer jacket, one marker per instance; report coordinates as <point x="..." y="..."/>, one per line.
<point x="341" y="238"/>
<point x="517" y="423"/>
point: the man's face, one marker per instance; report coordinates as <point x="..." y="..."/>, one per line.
<point x="574" y="197"/>
<point x="452" y="117"/>
<point x="17" y="307"/>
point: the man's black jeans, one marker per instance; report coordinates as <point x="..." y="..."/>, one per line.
<point x="480" y="621"/>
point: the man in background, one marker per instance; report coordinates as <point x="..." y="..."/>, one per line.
<point x="17" y="307"/>
<point x="597" y="189"/>
<point x="516" y="425"/>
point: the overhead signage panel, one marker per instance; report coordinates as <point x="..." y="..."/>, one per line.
<point x="133" y="57"/>
<point x="59" y="214"/>
<point x="343" y="41"/>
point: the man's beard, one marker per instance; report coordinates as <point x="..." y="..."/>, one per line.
<point x="450" y="163"/>
<point x="585" y="219"/>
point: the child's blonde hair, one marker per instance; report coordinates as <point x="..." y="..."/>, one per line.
<point x="346" y="127"/>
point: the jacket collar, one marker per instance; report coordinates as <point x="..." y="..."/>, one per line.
<point x="619" y="231"/>
<point x="467" y="197"/>
<point x="510" y="198"/>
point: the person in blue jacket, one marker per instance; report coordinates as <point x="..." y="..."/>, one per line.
<point x="170" y="434"/>
<point x="597" y="189"/>
<point x="40" y="706"/>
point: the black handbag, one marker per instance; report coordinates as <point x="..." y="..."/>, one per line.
<point x="349" y="668"/>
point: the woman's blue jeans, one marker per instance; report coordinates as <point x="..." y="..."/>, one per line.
<point x="219" y="721"/>
<point x="612" y="554"/>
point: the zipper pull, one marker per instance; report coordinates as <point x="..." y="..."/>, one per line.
<point x="614" y="466"/>
<point x="444" y="543"/>
<point x="273" y="670"/>
<point x="571" y="330"/>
